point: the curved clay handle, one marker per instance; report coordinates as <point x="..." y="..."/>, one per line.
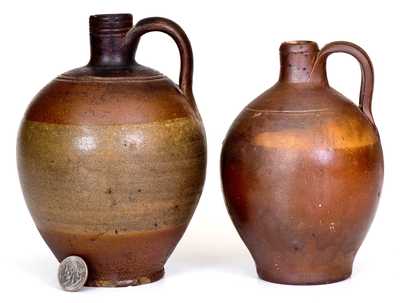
<point x="178" y="35"/>
<point x="367" y="80"/>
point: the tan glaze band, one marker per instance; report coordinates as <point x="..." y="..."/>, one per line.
<point x="99" y="180"/>
<point x="332" y="132"/>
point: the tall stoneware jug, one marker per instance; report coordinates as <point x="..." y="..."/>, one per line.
<point x="302" y="170"/>
<point x="112" y="156"/>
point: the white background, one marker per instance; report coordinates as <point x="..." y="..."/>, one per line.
<point x="235" y="45"/>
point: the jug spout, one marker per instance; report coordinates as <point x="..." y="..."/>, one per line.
<point x="107" y="40"/>
<point x="297" y="60"/>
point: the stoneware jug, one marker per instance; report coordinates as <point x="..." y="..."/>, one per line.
<point x="112" y="156"/>
<point x="302" y="170"/>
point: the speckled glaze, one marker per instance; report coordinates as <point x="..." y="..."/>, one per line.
<point x="302" y="170"/>
<point x="112" y="157"/>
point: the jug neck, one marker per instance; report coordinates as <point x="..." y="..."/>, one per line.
<point x="107" y="40"/>
<point x="297" y="62"/>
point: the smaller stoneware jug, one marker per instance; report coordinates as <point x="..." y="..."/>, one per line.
<point x="112" y="156"/>
<point x="302" y="170"/>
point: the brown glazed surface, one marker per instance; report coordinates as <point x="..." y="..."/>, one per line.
<point x="112" y="157"/>
<point x="302" y="170"/>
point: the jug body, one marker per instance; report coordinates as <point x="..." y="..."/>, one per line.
<point x="302" y="170"/>
<point x="112" y="157"/>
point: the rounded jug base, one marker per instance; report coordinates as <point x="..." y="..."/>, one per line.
<point x="143" y="279"/>
<point x="305" y="278"/>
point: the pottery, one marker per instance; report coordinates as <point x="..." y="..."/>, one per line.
<point x="302" y="170"/>
<point x="112" y="156"/>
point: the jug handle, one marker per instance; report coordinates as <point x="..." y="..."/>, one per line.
<point x="173" y="30"/>
<point x="367" y="76"/>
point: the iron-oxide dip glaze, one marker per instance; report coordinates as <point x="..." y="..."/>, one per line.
<point x="112" y="156"/>
<point x="302" y="170"/>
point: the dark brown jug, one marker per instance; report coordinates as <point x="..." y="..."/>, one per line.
<point x="302" y="170"/>
<point x="112" y="156"/>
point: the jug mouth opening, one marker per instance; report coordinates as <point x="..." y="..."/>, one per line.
<point x="299" y="46"/>
<point x="110" y="23"/>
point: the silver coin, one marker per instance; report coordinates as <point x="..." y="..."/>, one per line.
<point x="72" y="273"/>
